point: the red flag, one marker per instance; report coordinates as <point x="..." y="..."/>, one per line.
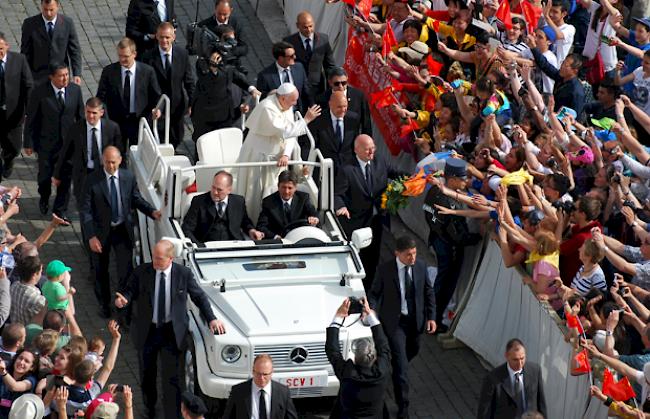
<point x="503" y="14"/>
<point x="397" y="85"/>
<point x="580" y="364"/>
<point x="434" y="66"/>
<point x="409" y="128"/>
<point x="531" y="14"/>
<point x="619" y="391"/>
<point x="572" y="322"/>
<point x="382" y="98"/>
<point x="350" y="2"/>
<point x="388" y="39"/>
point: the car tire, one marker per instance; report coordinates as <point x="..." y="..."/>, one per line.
<point x="215" y="406"/>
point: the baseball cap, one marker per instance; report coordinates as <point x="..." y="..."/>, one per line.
<point x="97" y="401"/>
<point x="550" y="33"/>
<point x="56" y="268"/>
<point x="583" y="155"/>
<point x="644" y="21"/>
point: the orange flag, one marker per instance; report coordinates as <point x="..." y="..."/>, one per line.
<point x="503" y="14"/>
<point x="619" y="391"/>
<point x="382" y="98"/>
<point x="415" y="185"/>
<point x="580" y="364"/>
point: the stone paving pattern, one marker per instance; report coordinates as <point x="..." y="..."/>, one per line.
<point x="445" y="383"/>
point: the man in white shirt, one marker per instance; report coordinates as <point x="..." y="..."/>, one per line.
<point x="564" y="32"/>
<point x="260" y="397"/>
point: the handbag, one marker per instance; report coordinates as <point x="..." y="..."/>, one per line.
<point x="595" y="67"/>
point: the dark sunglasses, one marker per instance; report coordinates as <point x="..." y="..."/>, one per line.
<point x="290" y="56"/>
<point x="340" y="83"/>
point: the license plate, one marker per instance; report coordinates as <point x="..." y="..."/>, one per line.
<point x="303" y="381"/>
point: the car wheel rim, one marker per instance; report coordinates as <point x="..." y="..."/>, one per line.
<point x="189" y="371"/>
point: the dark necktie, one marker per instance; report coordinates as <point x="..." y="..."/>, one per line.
<point x="162" y="282"/>
<point x="168" y="67"/>
<point x="115" y="209"/>
<point x="285" y="76"/>
<point x="50" y="29"/>
<point x="220" y="209"/>
<point x="127" y="91"/>
<point x="369" y="178"/>
<point x="60" y="98"/>
<point x="409" y="291"/>
<point x="94" y="151"/>
<point x="339" y="131"/>
<point x="308" y="50"/>
<point x="287" y="211"/>
<point x="2" y="84"/>
<point x="519" y="393"/>
<point x="262" y="413"/>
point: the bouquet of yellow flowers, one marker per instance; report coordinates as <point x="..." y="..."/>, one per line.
<point x="399" y="190"/>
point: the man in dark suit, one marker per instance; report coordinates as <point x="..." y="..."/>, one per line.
<point x="335" y="131"/>
<point x="362" y="379"/>
<point x="83" y="146"/>
<point x="285" y="69"/>
<point x="357" y="198"/>
<point x="176" y="78"/>
<point x="284" y="207"/>
<point x="161" y="323"/>
<point x="109" y="196"/>
<point x="15" y="87"/>
<point x="337" y="81"/>
<point x="129" y="91"/>
<point x="50" y="38"/>
<point x="260" y="397"/>
<point x="223" y="19"/>
<point x="403" y="296"/>
<point x="513" y="388"/>
<point x="52" y="109"/>
<point x="219" y="214"/>
<point x="313" y="51"/>
<point x="143" y="18"/>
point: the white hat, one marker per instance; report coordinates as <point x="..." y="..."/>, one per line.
<point x="285" y="89"/>
<point x="417" y="50"/>
<point x="27" y="406"/>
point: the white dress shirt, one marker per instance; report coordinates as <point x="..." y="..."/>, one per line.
<point x="402" y="286"/>
<point x="89" y="142"/>
<point x="255" y="399"/>
<point x="162" y="56"/>
<point x="119" y="195"/>
<point x="311" y="41"/>
<point x="512" y="373"/>
<point x="281" y="73"/>
<point x="168" y="294"/>
<point x="56" y="90"/>
<point x="225" y="204"/>
<point x="45" y="22"/>
<point x="132" y="70"/>
<point x="162" y="10"/>
<point x="335" y="120"/>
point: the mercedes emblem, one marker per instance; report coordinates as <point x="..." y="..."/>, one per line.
<point x="298" y="355"/>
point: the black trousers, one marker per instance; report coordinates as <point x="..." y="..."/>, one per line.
<point x="120" y="241"/>
<point x="46" y="162"/>
<point x="129" y="131"/>
<point x="162" y="342"/>
<point x="370" y="255"/>
<point x="450" y="261"/>
<point x="404" y="344"/>
<point x="11" y="140"/>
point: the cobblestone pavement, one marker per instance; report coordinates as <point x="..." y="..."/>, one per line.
<point x="445" y="383"/>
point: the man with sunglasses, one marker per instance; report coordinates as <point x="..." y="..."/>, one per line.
<point x="285" y="69"/>
<point x="337" y="81"/>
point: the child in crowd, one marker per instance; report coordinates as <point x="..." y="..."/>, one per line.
<point x="57" y="289"/>
<point x="590" y="275"/>
<point x="46" y="345"/>
<point x="96" y="348"/>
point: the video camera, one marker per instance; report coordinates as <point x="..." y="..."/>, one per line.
<point x="203" y="42"/>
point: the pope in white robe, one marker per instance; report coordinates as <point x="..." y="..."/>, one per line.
<point x="272" y="136"/>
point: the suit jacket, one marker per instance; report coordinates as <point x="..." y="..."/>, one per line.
<point x="211" y="23"/>
<point x="96" y="205"/>
<point x="111" y="91"/>
<point x="40" y="51"/>
<point x="351" y="191"/>
<point x="239" y="402"/>
<point x="357" y="103"/>
<point x="75" y="151"/>
<point x="141" y="290"/>
<point x="213" y="96"/>
<point x="46" y="122"/>
<point x="272" y="220"/>
<point x="386" y="300"/>
<point x="269" y="79"/>
<point x="203" y="211"/>
<point x="142" y="19"/>
<point x="497" y="400"/>
<point x="180" y="88"/>
<point x="319" y="63"/>
<point x="362" y="389"/>
<point x="326" y="141"/>
<point x="18" y="87"/>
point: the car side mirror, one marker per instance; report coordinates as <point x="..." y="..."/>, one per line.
<point x="362" y="237"/>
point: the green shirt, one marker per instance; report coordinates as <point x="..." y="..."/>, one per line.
<point x="53" y="291"/>
<point x="32" y="330"/>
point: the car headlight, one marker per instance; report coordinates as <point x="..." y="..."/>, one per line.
<point x="231" y="353"/>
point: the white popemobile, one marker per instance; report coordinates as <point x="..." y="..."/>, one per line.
<point x="273" y="298"/>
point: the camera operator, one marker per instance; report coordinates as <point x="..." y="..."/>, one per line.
<point x="363" y="379"/>
<point x="213" y="90"/>
<point x="223" y="21"/>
